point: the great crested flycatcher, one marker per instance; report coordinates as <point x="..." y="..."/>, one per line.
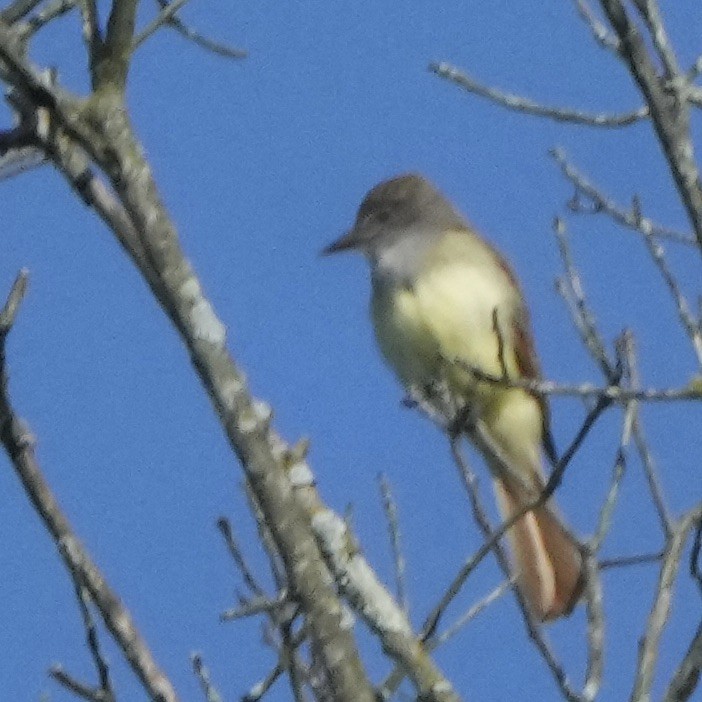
<point x="444" y="302"/>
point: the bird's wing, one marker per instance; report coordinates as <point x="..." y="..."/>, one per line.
<point x="528" y="365"/>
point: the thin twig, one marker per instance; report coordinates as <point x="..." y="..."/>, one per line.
<point x="496" y="534"/>
<point x="601" y="203"/>
<point x="264" y="533"/>
<point x="658" y="617"/>
<point x="258" y="690"/>
<point x="9" y="312"/>
<point x="203" y="676"/>
<point x="48" y="13"/>
<point x="687" y="675"/>
<point x="610" y="393"/>
<point x="471" y="613"/>
<point x="626" y="561"/>
<point x="595" y="626"/>
<point x="214" y="47"/>
<point x="225" y="528"/>
<point x="19" y="445"/>
<point x="390" y="509"/>
<point x="573" y="292"/>
<point x="605" y="520"/>
<point x="599" y="31"/>
<point x="695" y="569"/>
<point x="103" y="671"/>
<point x="527" y="106"/>
<point x="695" y="70"/>
<point x="257" y="605"/>
<point x="690" y="324"/>
<point x="648" y="9"/>
<point x="297" y="672"/>
<point x="630" y="413"/>
<point x="647" y="461"/>
<point x="536" y="633"/>
<point x="77" y="687"/>
<point x="163" y="17"/>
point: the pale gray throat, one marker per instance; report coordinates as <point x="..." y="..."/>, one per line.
<point x="397" y="257"/>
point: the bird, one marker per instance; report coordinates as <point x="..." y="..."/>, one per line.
<point x="446" y="307"/>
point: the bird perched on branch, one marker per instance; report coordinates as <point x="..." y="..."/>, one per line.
<point x="447" y="309"/>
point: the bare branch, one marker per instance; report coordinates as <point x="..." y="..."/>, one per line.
<point x="103" y="671"/>
<point x="572" y="291"/>
<point x="599" y="31"/>
<point x="668" y="111"/>
<point x="690" y="324"/>
<point x="610" y="393"/>
<point x="535" y="631"/>
<point x="8" y="315"/>
<point x="647" y="462"/>
<point x="18" y="442"/>
<point x="695" y="70"/>
<point x="163" y="18"/>
<point x="51" y="11"/>
<point x="527" y="106"/>
<point x="151" y="241"/>
<point x="595" y="627"/>
<point x="85" y="692"/>
<point x="203" y="675"/>
<point x="103" y="692"/>
<point x="626" y="561"/>
<point x="695" y="570"/>
<point x="687" y="674"/>
<point x="658" y="617"/>
<point x="635" y="220"/>
<point x="17" y="10"/>
<point x="112" y="64"/>
<point x="257" y="605"/>
<point x="605" y="521"/>
<point x="214" y="47"/>
<point x="648" y="9"/>
<point x="370" y="599"/>
<point x="603" y="204"/>
<point x="92" y="35"/>
<point x="169" y="18"/>
<point x="484" y="443"/>
<point x="471" y="613"/>
<point x="225" y="528"/>
<point x="394" y="528"/>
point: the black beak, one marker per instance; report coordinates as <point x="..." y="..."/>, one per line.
<point x="347" y="242"/>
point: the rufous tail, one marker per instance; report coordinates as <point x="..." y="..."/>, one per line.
<point x="546" y="555"/>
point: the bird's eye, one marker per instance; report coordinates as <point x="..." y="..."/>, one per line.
<point x="382" y="216"/>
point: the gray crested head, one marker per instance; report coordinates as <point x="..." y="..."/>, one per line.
<point x="397" y="223"/>
<point x="407" y="205"/>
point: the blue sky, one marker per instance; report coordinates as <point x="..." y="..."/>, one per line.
<point x="262" y="163"/>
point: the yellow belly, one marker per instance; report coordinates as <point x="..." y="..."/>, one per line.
<point x="446" y="319"/>
<point x="447" y="315"/>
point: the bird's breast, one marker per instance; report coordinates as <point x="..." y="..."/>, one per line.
<point x="447" y="315"/>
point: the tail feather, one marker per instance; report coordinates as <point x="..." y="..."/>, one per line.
<point x="547" y="556"/>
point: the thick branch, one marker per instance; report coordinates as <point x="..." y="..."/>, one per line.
<point x="152" y="243"/>
<point x="115" y="53"/>
<point x="369" y="597"/>
<point x="668" y="109"/>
